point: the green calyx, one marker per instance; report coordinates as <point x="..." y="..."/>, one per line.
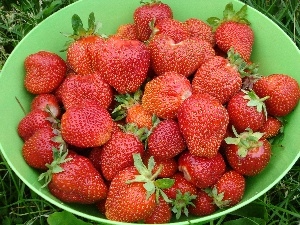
<point x="131" y="128"/>
<point x="146" y="176"/>
<point x="181" y="203"/>
<point x="229" y="14"/>
<point x="255" y="101"/>
<point x="245" y="141"/>
<point x="125" y="101"/>
<point x="149" y="2"/>
<point x="218" y="198"/>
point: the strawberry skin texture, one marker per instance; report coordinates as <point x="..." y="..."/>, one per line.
<point x="79" y="182"/>
<point x="237" y="35"/>
<point x="254" y="162"/>
<point x="184" y="57"/>
<point x="180" y="184"/>
<point x="116" y="154"/>
<point x="45" y="71"/>
<point x="127" y="31"/>
<point x="284" y="92"/>
<point x="199" y="29"/>
<point x="37" y="150"/>
<point x="164" y="94"/>
<point x="140" y="116"/>
<point x="166" y="140"/>
<point x="123" y="64"/>
<point x="86" y="125"/>
<point x="162" y="213"/>
<point x="217" y="78"/>
<point x="33" y="121"/>
<point x="45" y="101"/>
<point x="203" y="172"/>
<point x="80" y="54"/>
<point x="76" y="89"/>
<point x="242" y="116"/>
<point x="271" y="127"/>
<point x="232" y="186"/>
<point x="203" y="122"/>
<point x="144" y="14"/>
<point x="128" y="202"/>
<point x="204" y="204"/>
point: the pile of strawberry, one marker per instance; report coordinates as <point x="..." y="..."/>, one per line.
<point x="162" y="117"/>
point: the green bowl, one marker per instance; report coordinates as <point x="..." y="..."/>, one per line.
<point x="273" y="50"/>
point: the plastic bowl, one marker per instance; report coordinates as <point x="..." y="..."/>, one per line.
<point x="273" y="50"/>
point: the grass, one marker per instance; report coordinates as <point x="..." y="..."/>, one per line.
<point x="19" y="205"/>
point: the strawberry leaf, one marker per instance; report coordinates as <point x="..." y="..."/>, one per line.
<point x="164" y="183"/>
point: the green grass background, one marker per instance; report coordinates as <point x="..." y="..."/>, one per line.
<point x="19" y="205"/>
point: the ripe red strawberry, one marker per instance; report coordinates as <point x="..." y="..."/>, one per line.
<point x="246" y="110"/>
<point x="168" y="166"/>
<point x="283" y="90"/>
<point x="162" y="213"/>
<point x="129" y="107"/>
<point x="203" y="204"/>
<point x="79" y="52"/>
<point x="45" y="71"/>
<point x="37" y="150"/>
<point x="203" y="122"/>
<point x="217" y="77"/>
<point x="234" y="30"/>
<point x="271" y="127"/>
<point x="203" y="172"/>
<point x="86" y="125"/>
<point x="147" y="13"/>
<point x="126" y="70"/>
<point x="127" y="199"/>
<point x="32" y="122"/>
<point x="165" y="140"/>
<point x="175" y="29"/>
<point x="76" y="180"/>
<point x="199" y="29"/>
<point x="229" y="189"/>
<point x="76" y="89"/>
<point x="248" y="153"/>
<point x="116" y="153"/>
<point x="164" y="94"/>
<point x="184" y="57"/>
<point x="46" y="102"/>
<point x="127" y="31"/>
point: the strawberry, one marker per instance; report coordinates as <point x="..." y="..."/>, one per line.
<point x="48" y="103"/>
<point x="229" y="189"/>
<point x="165" y="140"/>
<point x="164" y="94"/>
<point x="162" y="213"/>
<point x="129" y="107"/>
<point x="203" y="122"/>
<point x="76" y="89"/>
<point x="247" y="152"/>
<point x="271" y="127"/>
<point x="127" y="31"/>
<point x="37" y="150"/>
<point x="217" y="77"/>
<point x="33" y="121"/>
<point x="283" y="92"/>
<point x="175" y="29"/>
<point x="168" y="166"/>
<point x="126" y="70"/>
<point x="147" y="13"/>
<point x="45" y="71"/>
<point x="184" y="57"/>
<point x="116" y="153"/>
<point x="203" y="172"/>
<point x="203" y="204"/>
<point x="199" y="29"/>
<point x="233" y="30"/>
<point x="247" y="110"/>
<point x="79" y="52"/>
<point x="86" y="125"/>
<point x="134" y="192"/>
<point x="74" y="179"/>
